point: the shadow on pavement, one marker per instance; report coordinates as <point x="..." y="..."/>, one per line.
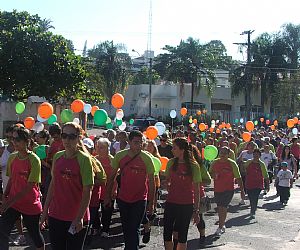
<point x="269" y="198"/>
<point x="237" y="208"/>
<point x="209" y="243"/>
<point x="239" y="221"/>
<point x="271" y="206"/>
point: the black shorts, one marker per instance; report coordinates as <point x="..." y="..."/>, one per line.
<point x="223" y="198"/>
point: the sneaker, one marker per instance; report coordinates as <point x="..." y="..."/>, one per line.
<point x="20" y="240"/>
<point x="104" y="234"/>
<point x="242" y="202"/>
<point x="220" y="231"/>
<point x="146" y="237"/>
<point x="252" y="216"/>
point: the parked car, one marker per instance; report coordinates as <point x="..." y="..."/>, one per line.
<point x="142" y="123"/>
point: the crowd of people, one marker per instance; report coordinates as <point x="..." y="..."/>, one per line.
<point x="73" y="191"/>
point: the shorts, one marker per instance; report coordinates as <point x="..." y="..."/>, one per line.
<point x="223" y="198"/>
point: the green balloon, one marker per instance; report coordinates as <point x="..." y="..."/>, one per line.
<point x="52" y="119"/>
<point x="119" y="122"/>
<point x="190" y="121"/>
<point x="131" y="121"/>
<point x="20" y="107"/>
<point x="255" y="123"/>
<point x="210" y="152"/>
<point x="157" y="164"/>
<point x="100" y="117"/>
<point x="108" y="120"/>
<point x="109" y="126"/>
<point x="66" y="116"/>
<point x="236" y="121"/>
<point x="203" y="135"/>
<point x="41" y="151"/>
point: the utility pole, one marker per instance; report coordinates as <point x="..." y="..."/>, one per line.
<point x="149" y="56"/>
<point x="247" y="72"/>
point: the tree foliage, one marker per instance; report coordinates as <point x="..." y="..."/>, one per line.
<point x="33" y="61"/>
<point x="113" y="63"/>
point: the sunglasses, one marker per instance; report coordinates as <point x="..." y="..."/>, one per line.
<point x="65" y="136"/>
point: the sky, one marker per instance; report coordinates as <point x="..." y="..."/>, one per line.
<point x="127" y="21"/>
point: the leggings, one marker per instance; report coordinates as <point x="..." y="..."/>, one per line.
<point x="177" y="218"/>
<point x="60" y="237"/>
<point x="106" y="214"/>
<point x="201" y="224"/>
<point x="7" y="222"/>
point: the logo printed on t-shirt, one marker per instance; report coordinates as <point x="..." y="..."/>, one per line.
<point x="66" y="174"/>
<point x="24" y="174"/>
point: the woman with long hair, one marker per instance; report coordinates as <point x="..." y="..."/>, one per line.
<point x="287" y="156"/>
<point x="69" y="193"/>
<point x="183" y="178"/>
<point x="22" y="195"/>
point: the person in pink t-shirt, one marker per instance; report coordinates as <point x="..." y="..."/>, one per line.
<point x="69" y="192"/>
<point x="183" y="177"/>
<point x="102" y="150"/>
<point x="22" y="196"/>
<point x="136" y="170"/>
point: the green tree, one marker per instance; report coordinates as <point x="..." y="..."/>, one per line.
<point x="113" y="63"/>
<point x="36" y="62"/>
<point x="142" y="76"/>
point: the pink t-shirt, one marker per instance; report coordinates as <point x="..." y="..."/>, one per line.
<point x="106" y="164"/>
<point x="181" y="190"/>
<point x="70" y="175"/>
<point x="133" y="175"/>
<point x="21" y="172"/>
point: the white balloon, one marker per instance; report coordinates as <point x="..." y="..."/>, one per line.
<point x="122" y="126"/>
<point x="87" y="108"/>
<point x="213" y="122"/>
<point x="241" y="120"/>
<point x="213" y="125"/>
<point x="161" y="127"/>
<point x="120" y="114"/>
<point x="173" y="114"/>
<point x="38" y="127"/>
<point x="76" y="120"/>
<point x="217" y="121"/>
<point x="193" y="125"/>
<point x="40" y="119"/>
<point x="295" y="131"/>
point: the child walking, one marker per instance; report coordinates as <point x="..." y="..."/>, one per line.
<point x="285" y="182"/>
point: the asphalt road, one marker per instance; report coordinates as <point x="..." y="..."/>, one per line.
<point x="275" y="227"/>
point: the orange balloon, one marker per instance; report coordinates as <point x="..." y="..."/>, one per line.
<point x="45" y="110"/>
<point x="202" y="126"/>
<point x="183" y="111"/>
<point x="261" y="119"/>
<point x="220" y="126"/>
<point x="273" y="127"/>
<point x="228" y="125"/>
<point x="290" y="123"/>
<point x="195" y="121"/>
<point x="94" y="109"/>
<point x="211" y="129"/>
<point x="198" y="112"/>
<point x="77" y="106"/>
<point x="117" y="100"/>
<point x="29" y="122"/>
<point x="164" y="162"/>
<point x="275" y="123"/>
<point x="151" y="132"/>
<point x="295" y="120"/>
<point x="246" y="136"/>
<point x="206" y="126"/>
<point x="218" y="131"/>
<point x="249" y="126"/>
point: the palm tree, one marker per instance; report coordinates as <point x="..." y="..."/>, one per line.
<point x="45" y="25"/>
<point x="112" y="62"/>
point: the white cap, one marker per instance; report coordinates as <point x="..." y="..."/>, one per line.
<point x="88" y="143"/>
<point x="2" y="145"/>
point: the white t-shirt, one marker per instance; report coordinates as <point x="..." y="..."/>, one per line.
<point x="116" y="146"/>
<point x="267" y="157"/>
<point x="284" y="177"/>
<point x="3" y="163"/>
<point x="245" y="156"/>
